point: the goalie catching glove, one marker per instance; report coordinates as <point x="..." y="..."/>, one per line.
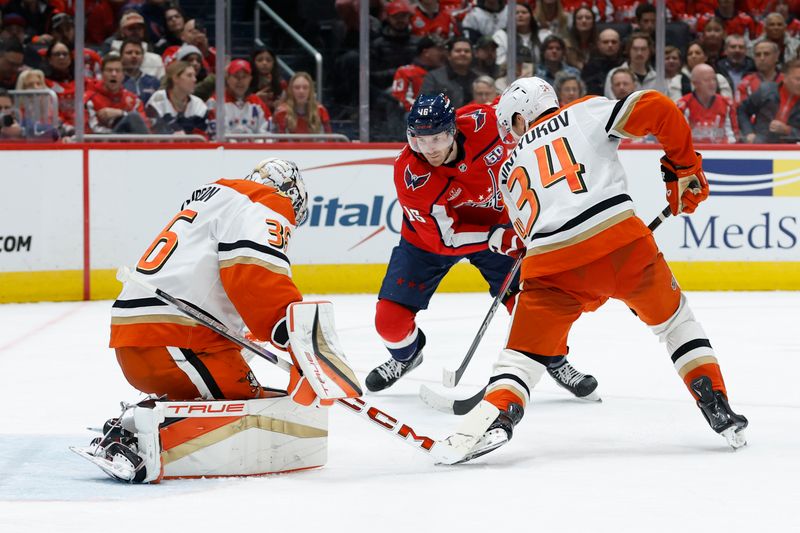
<point x="504" y="240"/>
<point x="320" y="373"/>
<point x="686" y="186"/>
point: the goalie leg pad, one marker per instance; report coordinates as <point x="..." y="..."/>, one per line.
<point x="689" y="347"/>
<point x="241" y="438"/>
<point x="317" y="350"/>
<point x="513" y="377"/>
<point x="166" y="440"/>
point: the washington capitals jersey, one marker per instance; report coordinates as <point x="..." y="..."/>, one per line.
<point x="449" y="209"/>
<point x="226" y="252"/>
<point x="564" y="185"/>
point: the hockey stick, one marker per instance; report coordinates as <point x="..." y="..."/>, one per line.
<point x="445" y="451"/>
<point x="463" y="406"/>
<point x="451" y="378"/>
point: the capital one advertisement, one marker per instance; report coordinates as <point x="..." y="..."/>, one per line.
<point x="753" y="213"/>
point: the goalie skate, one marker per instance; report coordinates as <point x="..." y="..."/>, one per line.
<point x="117" y="460"/>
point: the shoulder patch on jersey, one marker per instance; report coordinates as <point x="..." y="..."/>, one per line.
<point x="414" y="181"/>
<point x="480" y="118"/>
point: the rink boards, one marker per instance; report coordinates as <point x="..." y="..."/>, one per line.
<point x="72" y="214"/>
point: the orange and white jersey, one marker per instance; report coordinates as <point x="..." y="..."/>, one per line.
<point x="565" y="188"/>
<point x="226" y="252"/>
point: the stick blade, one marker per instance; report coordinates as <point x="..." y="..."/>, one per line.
<point x="451" y="406"/>
<point x="435" y="401"/>
<point x="455" y="447"/>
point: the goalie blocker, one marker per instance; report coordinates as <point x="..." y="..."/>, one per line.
<point x="157" y="440"/>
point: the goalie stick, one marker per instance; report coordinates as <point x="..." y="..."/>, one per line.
<point x="463" y="406"/>
<point x="445" y="451"/>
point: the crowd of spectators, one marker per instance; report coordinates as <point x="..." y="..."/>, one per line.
<point x="731" y="66"/>
<point x="148" y="69"/>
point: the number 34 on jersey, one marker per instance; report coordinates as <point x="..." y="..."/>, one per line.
<point x="555" y="163"/>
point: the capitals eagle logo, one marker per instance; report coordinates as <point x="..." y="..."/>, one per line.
<point x="413" y="181"/>
<point x="480" y="118"/>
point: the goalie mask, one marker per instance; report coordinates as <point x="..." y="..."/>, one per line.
<point x="284" y="176"/>
<point x="528" y="97"/>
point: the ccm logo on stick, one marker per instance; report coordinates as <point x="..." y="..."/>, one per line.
<point x="387" y="422"/>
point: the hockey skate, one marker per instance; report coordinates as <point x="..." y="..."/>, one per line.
<point x="389" y="372"/>
<point x="719" y="415"/>
<point x="499" y="433"/>
<point x="115" y="453"/>
<point x="581" y="385"/>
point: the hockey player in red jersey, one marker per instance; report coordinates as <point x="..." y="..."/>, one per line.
<point x="566" y="194"/>
<point x="446" y="182"/>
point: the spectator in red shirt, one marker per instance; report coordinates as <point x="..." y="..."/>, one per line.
<point x="408" y="78"/>
<point x="711" y="116"/>
<point x="766" y="58"/>
<point x="109" y="107"/>
<point x="735" y="22"/>
<point x="301" y="113"/>
<point x="430" y="20"/>
<point x="267" y="83"/>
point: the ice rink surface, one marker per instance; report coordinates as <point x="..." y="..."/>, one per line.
<point x="643" y="460"/>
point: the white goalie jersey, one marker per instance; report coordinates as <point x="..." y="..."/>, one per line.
<point x="564" y="186"/>
<point x="226" y="252"/>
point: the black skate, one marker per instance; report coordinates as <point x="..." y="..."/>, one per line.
<point x="576" y="382"/>
<point x="115" y="453"/>
<point x="719" y="415"/>
<point x="499" y="433"/>
<point x="389" y="372"/>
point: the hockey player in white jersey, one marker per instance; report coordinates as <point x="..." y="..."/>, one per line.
<point x="226" y="253"/>
<point x="565" y="190"/>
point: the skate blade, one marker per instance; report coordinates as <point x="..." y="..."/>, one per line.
<point x="118" y="470"/>
<point x="489" y="442"/>
<point x="591" y="397"/>
<point x="735" y="439"/>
